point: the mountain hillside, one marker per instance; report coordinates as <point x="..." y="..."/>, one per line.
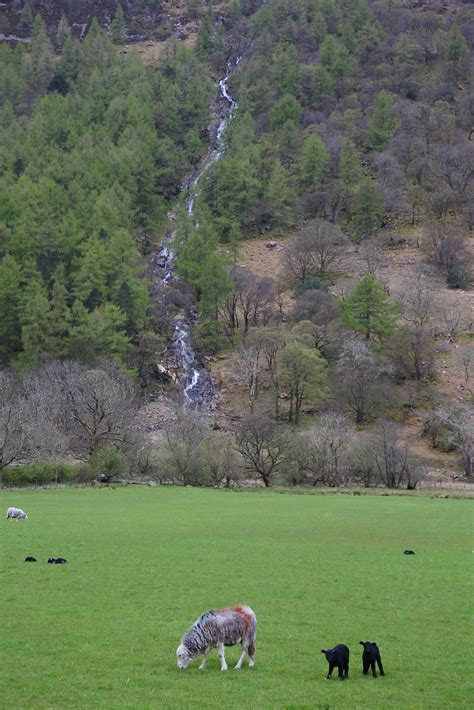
<point x="262" y="211"/>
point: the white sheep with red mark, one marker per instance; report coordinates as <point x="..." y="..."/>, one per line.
<point x="219" y="628"/>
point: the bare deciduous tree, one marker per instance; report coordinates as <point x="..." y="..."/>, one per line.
<point x="97" y="407"/>
<point x="254" y="294"/>
<point x="461" y="422"/>
<point x="322" y="452"/>
<point x="182" y="455"/>
<point x="447" y="249"/>
<point x="373" y="255"/>
<point x="416" y="300"/>
<point x="411" y="351"/>
<point x="393" y="462"/>
<point x="264" y="446"/>
<point x="313" y="250"/>
<point x="223" y="460"/>
<point x="360" y="380"/>
<point x="246" y="371"/>
<point x="15" y="445"/>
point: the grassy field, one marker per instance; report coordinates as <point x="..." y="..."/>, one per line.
<point x="101" y="631"/>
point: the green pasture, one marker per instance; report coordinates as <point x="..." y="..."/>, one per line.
<point x="101" y="631"/>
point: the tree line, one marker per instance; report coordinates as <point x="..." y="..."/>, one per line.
<point x="67" y="422"/>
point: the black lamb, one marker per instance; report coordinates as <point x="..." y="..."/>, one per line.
<point x="338" y="656"/>
<point x="370" y="655"/>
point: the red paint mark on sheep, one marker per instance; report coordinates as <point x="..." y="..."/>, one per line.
<point x="240" y="610"/>
<point x="245" y="616"/>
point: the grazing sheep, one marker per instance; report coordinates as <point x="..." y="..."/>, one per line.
<point x="408" y="552"/>
<point x="338" y="656"/>
<point x="60" y="561"/>
<point x="51" y="560"/>
<point x="219" y="627"/>
<point x="370" y="654"/>
<point x="30" y="559"/>
<point x="17" y="513"/>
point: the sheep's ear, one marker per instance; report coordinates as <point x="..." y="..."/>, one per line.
<point x="323" y="650"/>
<point x="362" y="643"/>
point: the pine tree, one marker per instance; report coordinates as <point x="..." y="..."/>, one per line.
<point x="59" y="315"/>
<point x="43" y="62"/>
<point x="350" y="165"/>
<point x="286" y="109"/>
<point x="456" y="53"/>
<point x="205" y="32"/>
<point x="367" y="209"/>
<point x="63" y="32"/>
<point x="279" y="198"/>
<point x="383" y="121"/>
<point x="117" y="27"/>
<point x="368" y="311"/>
<point x="313" y="162"/>
<point x="27" y="17"/>
<point x="35" y="321"/>
<point x="10" y="293"/>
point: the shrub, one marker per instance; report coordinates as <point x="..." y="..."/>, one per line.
<point x="459" y="276"/>
<point x="107" y="462"/>
<point x="40" y="473"/>
<point x="312" y="283"/>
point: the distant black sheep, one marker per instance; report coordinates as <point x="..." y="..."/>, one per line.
<point x="60" y="561"/>
<point x="30" y="559"/>
<point x="338" y="656"/>
<point x="408" y="552"/>
<point x="51" y="560"/>
<point x="370" y="654"/>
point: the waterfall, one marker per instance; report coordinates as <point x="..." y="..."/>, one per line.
<point x="199" y="388"/>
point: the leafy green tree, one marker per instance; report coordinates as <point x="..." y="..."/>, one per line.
<point x="383" y="121"/>
<point x="367" y="209"/>
<point x="301" y="372"/>
<point x="367" y="310"/>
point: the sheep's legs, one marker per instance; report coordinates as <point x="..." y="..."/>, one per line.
<point x="204" y="660"/>
<point x="241" y="659"/>
<point x="220" y="651"/>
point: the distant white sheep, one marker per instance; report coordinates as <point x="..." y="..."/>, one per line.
<point x="17" y="513"/>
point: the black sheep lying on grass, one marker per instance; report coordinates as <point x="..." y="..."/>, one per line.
<point x="370" y="655"/>
<point x="30" y="559"/>
<point x="338" y="656"/>
<point x="56" y="561"/>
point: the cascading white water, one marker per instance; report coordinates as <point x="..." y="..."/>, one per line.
<point x="198" y="386"/>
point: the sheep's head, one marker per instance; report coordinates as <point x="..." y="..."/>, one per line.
<point x="183" y="657"/>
